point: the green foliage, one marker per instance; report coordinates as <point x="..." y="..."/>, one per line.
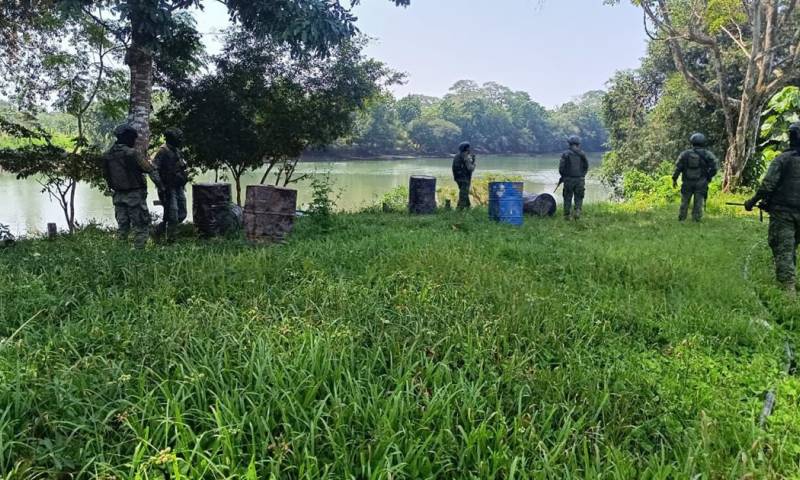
<point x="436" y="347"/>
<point x="274" y="105"/>
<point x="323" y="203"/>
<point x="781" y="112"/>
<point x="492" y="117"/>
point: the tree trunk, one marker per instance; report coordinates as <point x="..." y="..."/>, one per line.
<point x="743" y="144"/>
<point x="140" y="62"/>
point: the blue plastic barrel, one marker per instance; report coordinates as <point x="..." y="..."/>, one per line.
<point x="505" y="202"/>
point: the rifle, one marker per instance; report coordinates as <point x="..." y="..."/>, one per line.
<point x="761" y="206"/>
<point x="560" y="182"/>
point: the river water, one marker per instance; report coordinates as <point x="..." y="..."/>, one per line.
<point x="359" y="183"/>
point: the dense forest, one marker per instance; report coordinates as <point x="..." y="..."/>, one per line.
<point x="493" y="117"/>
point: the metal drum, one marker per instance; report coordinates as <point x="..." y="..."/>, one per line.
<point x="505" y="202"/>
<point x="422" y="194"/>
<point x="543" y="205"/>
<point x="269" y="213"/>
<point x="212" y="209"/>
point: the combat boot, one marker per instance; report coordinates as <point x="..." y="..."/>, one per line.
<point x="576" y="215"/>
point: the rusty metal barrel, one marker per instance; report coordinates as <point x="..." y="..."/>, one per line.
<point x="211" y="208"/>
<point x="543" y="205"/>
<point x="422" y="194"/>
<point x="269" y="213"/>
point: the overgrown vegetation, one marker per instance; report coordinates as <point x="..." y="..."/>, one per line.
<point x="402" y="347"/>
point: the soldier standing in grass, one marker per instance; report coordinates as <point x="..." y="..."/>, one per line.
<point x="573" y="169"/>
<point x="780" y="191"/>
<point x="463" y="166"/>
<point x="172" y="170"/>
<point x="698" y="167"/>
<point x="124" y="169"/>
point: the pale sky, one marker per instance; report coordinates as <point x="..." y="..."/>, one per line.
<point x="554" y="50"/>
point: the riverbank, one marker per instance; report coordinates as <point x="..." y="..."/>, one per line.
<point x="626" y="345"/>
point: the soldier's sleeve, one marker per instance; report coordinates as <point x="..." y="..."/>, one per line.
<point x="584" y="164"/>
<point x="148" y="168"/>
<point x="773" y="177"/>
<point x="679" y="167"/>
<point x="562" y="165"/>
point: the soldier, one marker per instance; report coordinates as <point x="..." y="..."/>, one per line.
<point x="780" y="191"/>
<point x="573" y="169"/>
<point x="463" y="166"/>
<point x="124" y="168"/>
<point x="172" y="170"/>
<point x="698" y="167"/>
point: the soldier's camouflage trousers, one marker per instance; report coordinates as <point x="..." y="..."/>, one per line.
<point x="698" y="190"/>
<point x="463" y="192"/>
<point x="174" y="202"/>
<point x="784" y="237"/>
<point x="574" y="188"/>
<point x="180" y="196"/>
<point x="130" y="210"/>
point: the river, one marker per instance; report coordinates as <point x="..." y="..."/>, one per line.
<point x="359" y="183"/>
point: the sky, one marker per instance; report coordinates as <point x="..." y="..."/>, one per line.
<point x="553" y="49"/>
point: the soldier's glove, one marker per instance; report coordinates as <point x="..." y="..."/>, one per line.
<point x="750" y="204"/>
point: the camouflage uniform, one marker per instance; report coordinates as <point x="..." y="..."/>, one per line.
<point x="573" y="169"/>
<point x="697" y="166"/>
<point x="781" y="191"/>
<point x="463" y="166"/>
<point x="124" y="169"/>
<point x="172" y="170"/>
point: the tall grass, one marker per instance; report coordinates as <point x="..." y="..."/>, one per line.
<point x="623" y="346"/>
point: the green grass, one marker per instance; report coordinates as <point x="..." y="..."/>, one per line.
<point x="623" y="346"/>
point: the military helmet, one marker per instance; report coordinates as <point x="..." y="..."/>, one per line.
<point x="174" y="136"/>
<point x="574" y="140"/>
<point x="464" y="146"/>
<point x="794" y="135"/>
<point x="124" y="130"/>
<point x="698" y="140"/>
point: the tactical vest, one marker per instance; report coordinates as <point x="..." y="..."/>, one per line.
<point x="460" y="169"/>
<point x="788" y="191"/>
<point x="123" y="172"/>
<point x="696" y="167"/>
<point x="574" y="164"/>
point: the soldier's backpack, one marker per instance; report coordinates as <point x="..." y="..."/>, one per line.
<point x="695" y="166"/>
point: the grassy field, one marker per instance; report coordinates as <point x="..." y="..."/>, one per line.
<point x="623" y="346"/>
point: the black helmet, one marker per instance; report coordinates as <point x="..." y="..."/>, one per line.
<point x="125" y="129"/>
<point x="698" y="140"/>
<point x="126" y="134"/>
<point x="794" y="135"/>
<point x="174" y="136"/>
<point x="464" y="147"/>
<point x="574" y="140"/>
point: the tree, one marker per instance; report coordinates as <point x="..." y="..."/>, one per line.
<point x="147" y="29"/>
<point x="274" y="105"/>
<point x="435" y="135"/>
<point x="82" y="79"/>
<point x="757" y="40"/>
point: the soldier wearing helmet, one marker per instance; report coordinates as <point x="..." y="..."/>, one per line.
<point x="124" y="169"/>
<point x="780" y="190"/>
<point x="463" y="167"/>
<point x="573" y="169"/>
<point x="172" y="169"/>
<point x="697" y="167"/>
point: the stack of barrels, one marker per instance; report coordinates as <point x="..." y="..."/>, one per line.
<point x="269" y="213"/>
